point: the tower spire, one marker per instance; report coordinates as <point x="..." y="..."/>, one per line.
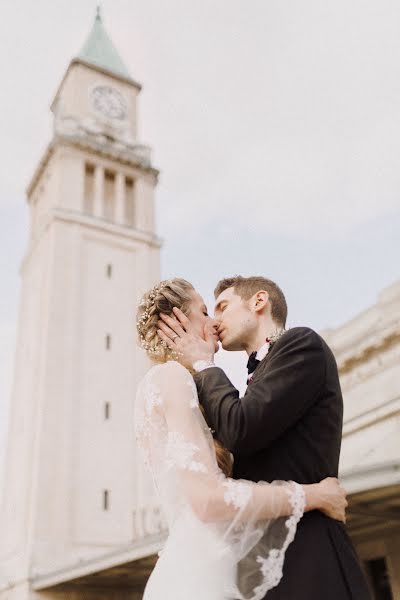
<point x="99" y="51"/>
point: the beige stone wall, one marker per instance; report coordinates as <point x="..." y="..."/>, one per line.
<point x="367" y="350"/>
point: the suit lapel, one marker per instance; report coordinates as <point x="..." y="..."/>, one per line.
<point x="262" y="367"/>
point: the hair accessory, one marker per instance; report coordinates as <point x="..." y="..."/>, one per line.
<point x="147" y="302"/>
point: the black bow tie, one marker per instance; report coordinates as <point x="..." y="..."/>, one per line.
<point x="252" y="363"/>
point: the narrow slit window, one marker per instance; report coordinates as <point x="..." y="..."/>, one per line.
<point x="106" y="499"/>
<point x="109" y="195"/>
<point x="108" y="341"/>
<point x="130" y="216"/>
<point x="109" y="271"/>
<point x="88" y="189"/>
<point x="107" y="411"/>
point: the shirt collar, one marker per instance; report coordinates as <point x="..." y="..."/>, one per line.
<point x="271" y="339"/>
<point x="263" y="351"/>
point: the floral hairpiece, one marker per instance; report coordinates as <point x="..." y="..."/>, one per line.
<point x="147" y="302"/>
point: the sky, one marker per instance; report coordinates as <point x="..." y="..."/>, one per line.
<point x="275" y="125"/>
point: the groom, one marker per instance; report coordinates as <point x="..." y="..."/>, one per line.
<point x="287" y="426"/>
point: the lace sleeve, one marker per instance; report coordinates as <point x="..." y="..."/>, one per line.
<point x="248" y="515"/>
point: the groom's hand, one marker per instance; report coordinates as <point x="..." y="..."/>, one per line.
<point x="179" y="335"/>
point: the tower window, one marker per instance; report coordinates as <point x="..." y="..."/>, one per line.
<point x="109" y="195"/>
<point x="107" y="410"/>
<point x="106" y="499"/>
<point x="108" y="341"/>
<point x="130" y="216"/>
<point x="88" y="189"/>
<point x="109" y="271"/>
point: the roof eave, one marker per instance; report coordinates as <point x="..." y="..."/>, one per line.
<point x="60" y="141"/>
<point x="105" y="71"/>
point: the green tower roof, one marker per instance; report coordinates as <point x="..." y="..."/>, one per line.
<point x="99" y="51"/>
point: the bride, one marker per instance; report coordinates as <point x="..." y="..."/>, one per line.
<point x="227" y="538"/>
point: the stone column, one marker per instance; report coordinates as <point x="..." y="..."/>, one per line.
<point x="120" y="199"/>
<point x="98" y="197"/>
<point x="144" y="204"/>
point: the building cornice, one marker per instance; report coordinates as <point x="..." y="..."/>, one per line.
<point x="384" y="358"/>
<point x="104" y="226"/>
<point x="360" y="479"/>
<point x="104" y="71"/>
<point x="98" y="225"/>
<point x="368" y="349"/>
<point x="369" y="418"/>
<point x="373" y="331"/>
<point x="131" y="155"/>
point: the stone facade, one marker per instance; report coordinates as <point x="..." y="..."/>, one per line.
<point x="367" y="350"/>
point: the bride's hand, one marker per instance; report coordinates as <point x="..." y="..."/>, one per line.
<point x="180" y="335"/>
<point x="331" y="499"/>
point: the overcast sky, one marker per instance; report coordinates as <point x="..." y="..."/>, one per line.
<point x="276" y="127"/>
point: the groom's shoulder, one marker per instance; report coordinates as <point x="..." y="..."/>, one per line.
<point x="302" y="341"/>
<point x="302" y="333"/>
<point x="303" y="337"/>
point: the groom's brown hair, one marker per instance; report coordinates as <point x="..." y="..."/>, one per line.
<point x="246" y="287"/>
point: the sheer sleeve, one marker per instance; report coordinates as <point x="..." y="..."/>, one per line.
<point x="256" y="521"/>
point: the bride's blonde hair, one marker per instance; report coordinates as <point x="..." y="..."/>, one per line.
<point x="161" y="299"/>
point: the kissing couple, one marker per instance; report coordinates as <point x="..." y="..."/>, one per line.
<point x="248" y="485"/>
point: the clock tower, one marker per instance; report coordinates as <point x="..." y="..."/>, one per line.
<point x="72" y="488"/>
<point x="97" y="92"/>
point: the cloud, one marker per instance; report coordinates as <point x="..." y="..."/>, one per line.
<point x="288" y="123"/>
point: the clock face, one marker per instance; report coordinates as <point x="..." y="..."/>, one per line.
<point x="109" y="102"/>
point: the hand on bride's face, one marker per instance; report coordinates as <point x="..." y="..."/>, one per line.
<point x="193" y="337"/>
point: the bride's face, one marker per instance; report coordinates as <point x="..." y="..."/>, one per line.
<point x="200" y="319"/>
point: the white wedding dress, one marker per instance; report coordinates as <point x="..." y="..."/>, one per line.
<point x="226" y="539"/>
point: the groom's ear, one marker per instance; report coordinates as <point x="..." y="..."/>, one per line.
<point x="260" y="300"/>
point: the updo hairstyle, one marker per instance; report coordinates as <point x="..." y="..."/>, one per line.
<point x="161" y="299"/>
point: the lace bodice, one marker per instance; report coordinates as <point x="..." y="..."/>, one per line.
<point x="179" y="450"/>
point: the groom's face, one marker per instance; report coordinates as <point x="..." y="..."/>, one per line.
<point x="236" y="320"/>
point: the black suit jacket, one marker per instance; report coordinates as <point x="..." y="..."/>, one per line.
<point x="288" y="426"/>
